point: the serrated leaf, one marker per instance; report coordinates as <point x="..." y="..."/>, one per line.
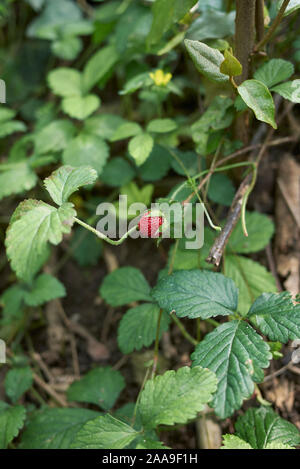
<point x="258" y="98"/>
<point x="262" y="426"/>
<point x="65" y="82"/>
<point x="274" y="71"/>
<point x="98" y="65"/>
<point x="117" y="172"/>
<point x="17" y="382"/>
<point x="176" y="396"/>
<point x="18" y="179"/>
<point x="231" y="66"/>
<point x="54" y="137"/>
<point x="251" y="278"/>
<point x="104" y="433"/>
<point x="234" y="442"/>
<point x="140" y="147"/>
<point x="278" y="445"/>
<point x="237" y="354"/>
<point x="54" y="428"/>
<point x="138" y="327"/>
<point x="260" y="231"/>
<point x="289" y="90"/>
<point x="101" y="386"/>
<point x="207" y="60"/>
<point x="161" y="126"/>
<point x="9" y="127"/>
<point x="81" y="107"/>
<point x="11" y="421"/>
<point x="66" y="180"/>
<point x="276" y="316"/>
<point x="29" y="232"/>
<point x="125" y="285"/>
<point x="44" y="288"/>
<point x="197" y="294"/>
<point x="87" y="150"/>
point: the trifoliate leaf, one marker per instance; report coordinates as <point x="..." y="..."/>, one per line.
<point x="289" y="90"/>
<point x="66" y="180"/>
<point x="32" y="226"/>
<point x="104" y="433"/>
<point x="237" y="354"/>
<point x="197" y="294"/>
<point x="262" y="426"/>
<point x="100" y="386"/>
<point x="81" y="107"/>
<point x="207" y="60"/>
<point x="258" y="98"/>
<point x="251" y="278"/>
<point x="176" y="396"/>
<point x="274" y="71"/>
<point x="276" y="316"/>
<point x="140" y="148"/>
<point x="86" y="150"/>
<point x="44" y="288"/>
<point x="11" y="421"/>
<point x="65" y="82"/>
<point x="234" y="442"/>
<point x="125" y="285"/>
<point x="138" y="327"/>
<point x="260" y="231"/>
<point x="55" y="428"/>
<point x="18" y="381"/>
<point x="19" y="178"/>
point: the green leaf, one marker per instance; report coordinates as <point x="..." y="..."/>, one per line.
<point x="212" y="24"/>
<point x="206" y="59"/>
<point x="17" y="382"/>
<point x="258" y="98"/>
<point x="9" y="127"/>
<point x="86" y="150"/>
<point x="291" y="8"/>
<point x="140" y="148"/>
<point x="103" y="126"/>
<point x="197" y="294"/>
<point x="165" y="14"/>
<point x="251" y="278"/>
<point x="274" y="71"/>
<point x="32" y="226"/>
<point x="260" y="231"/>
<point x="134" y="194"/>
<point x="65" y="82"/>
<point x="66" y="180"/>
<point x="289" y="90"/>
<point x="98" y="66"/>
<point x="125" y="285"/>
<point x="234" y="442"/>
<point x="81" y="107"/>
<point x="237" y="354"/>
<point x="138" y="326"/>
<point x="221" y="189"/>
<point x="54" y="137"/>
<point x="157" y="164"/>
<point x="278" y="445"/>
<point x="126" y="130"/>
<point x="54" y="428"/>
<point x="17" y="179"/>
<point x="260" y="427"/>
<point x="146" y="443"/>
<point x="117" y="172"/>
<point x="6" y="114"/>
<point x="11" y="421"/>
<point x="176" y="396"/>
<point x="86" y="248"/>
<point x="67" y="48"/>
<point x="44" y="288"/>
<point x="104" y="433"/>
<point x="276" y="316"/>
<point x="12" y="303"/>
<point x="161" y="126"/>
<point x="231" y="66"/>
<point x="101" y="386"/>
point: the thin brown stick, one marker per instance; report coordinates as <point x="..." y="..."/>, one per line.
<point x="259" y="19"/>
<point x="49" y="390"/>
<point x="288" y="202"/>
<point x="273" y="27"/>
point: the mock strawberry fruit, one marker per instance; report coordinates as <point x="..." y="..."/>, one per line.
<point x="149" y="225"/>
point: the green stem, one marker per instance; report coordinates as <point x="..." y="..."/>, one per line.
<point x="245" y="199"/>
<point x="183" y="330"/>
<point x="102" y="236"/>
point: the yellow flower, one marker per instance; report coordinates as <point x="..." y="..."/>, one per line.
<point x="160" y="78"/>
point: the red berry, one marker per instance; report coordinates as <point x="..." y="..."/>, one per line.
<point x="149" y="226"/>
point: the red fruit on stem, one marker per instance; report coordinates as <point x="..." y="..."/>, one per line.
<point x="149" y="226"/>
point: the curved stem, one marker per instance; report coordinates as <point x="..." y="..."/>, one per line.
<point x="104" y="237"/>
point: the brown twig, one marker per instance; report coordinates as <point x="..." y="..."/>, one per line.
<point x="49" y="390"/>
<point x="273" y="27"/>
